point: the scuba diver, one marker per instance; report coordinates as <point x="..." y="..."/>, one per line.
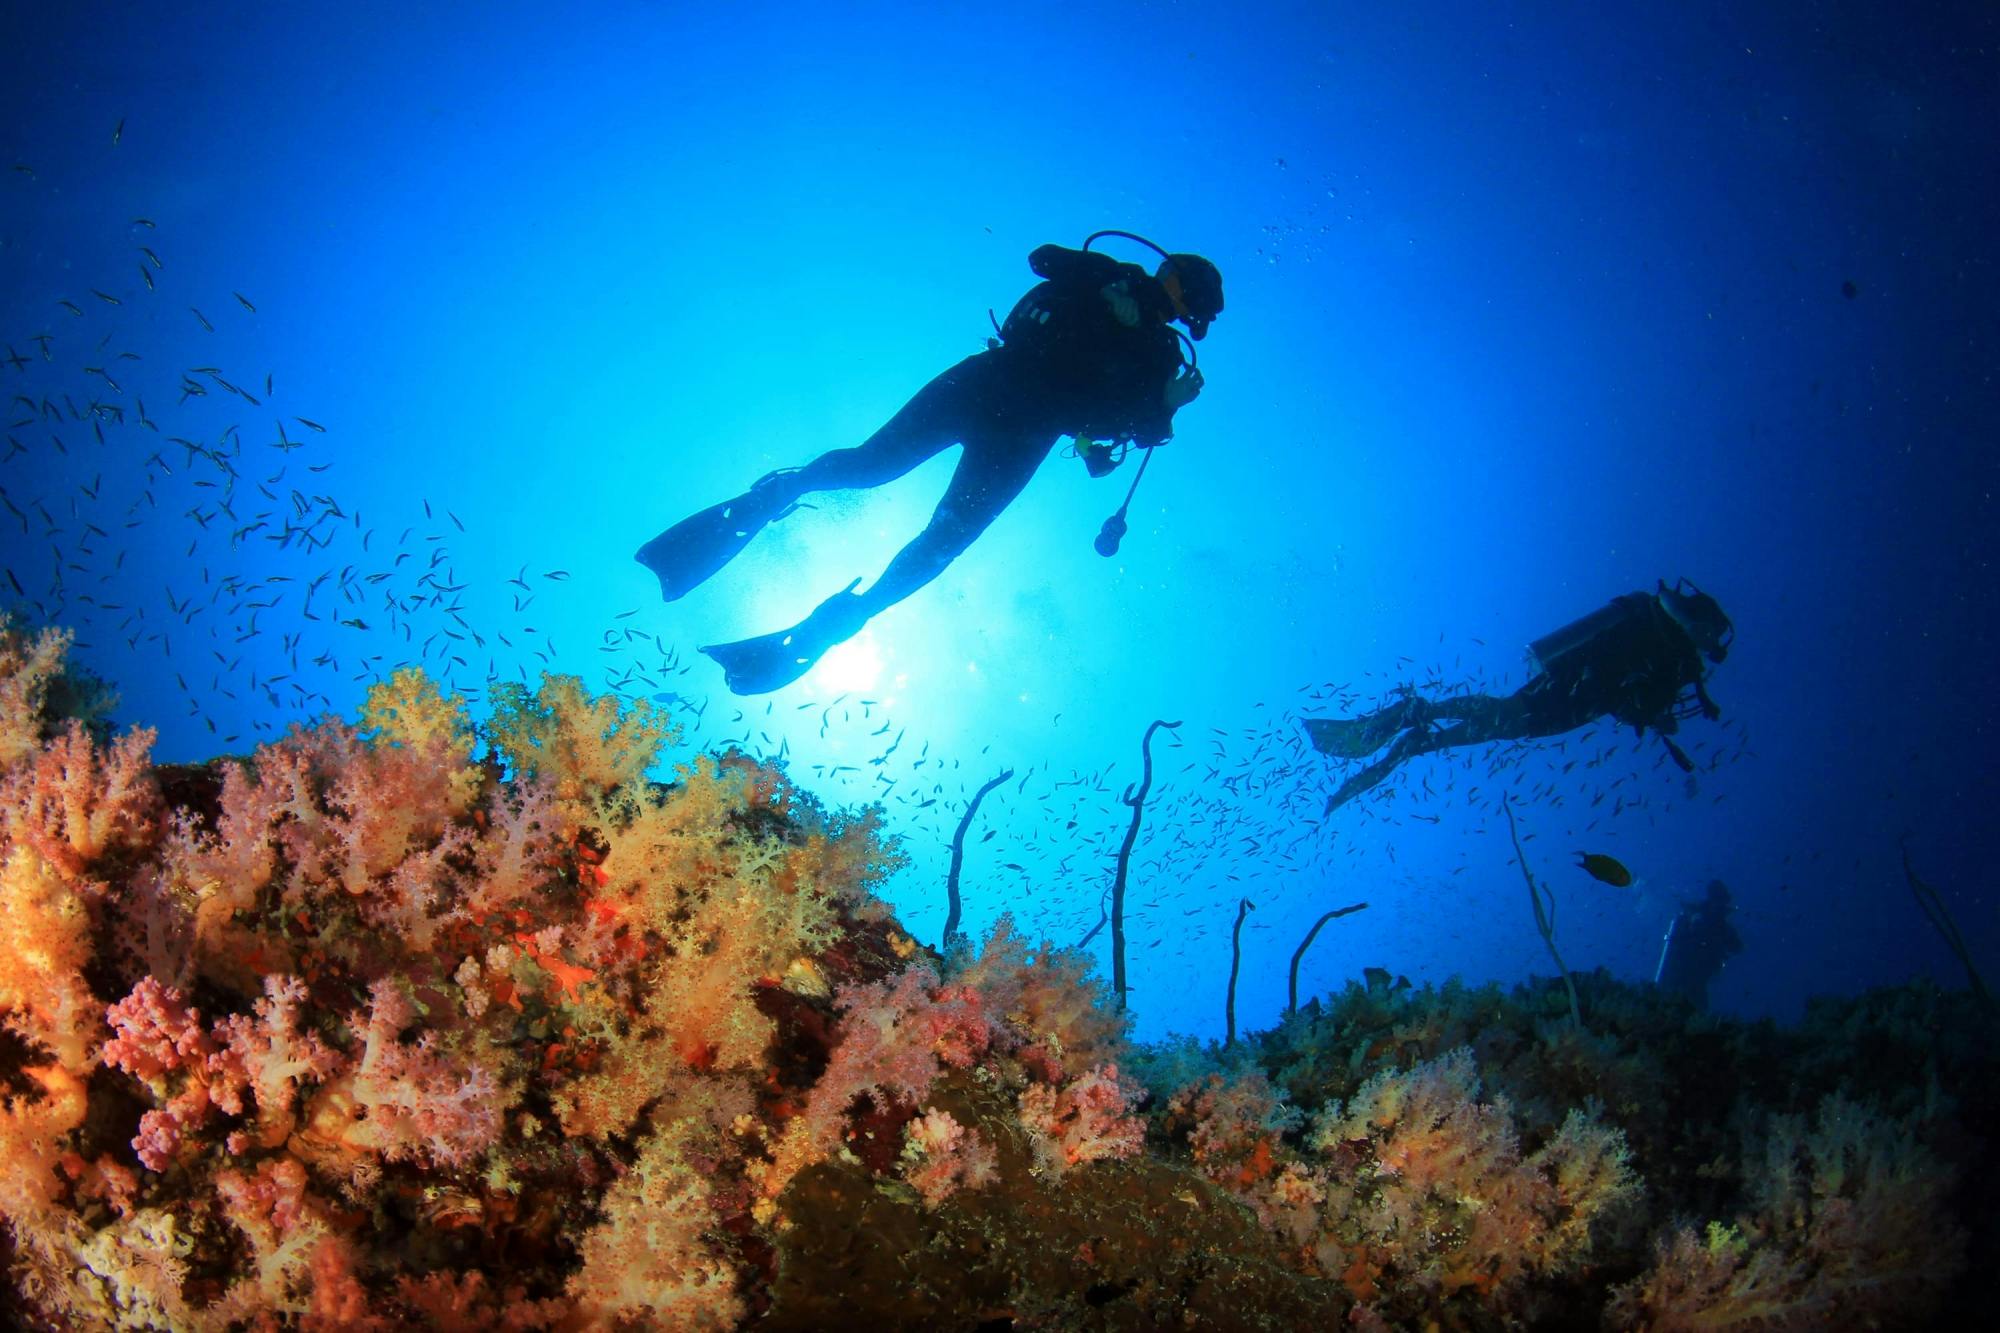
<point x="1699" y="941"/>
<point x="1089" y="352"/>
<point x="1637" y="659"/>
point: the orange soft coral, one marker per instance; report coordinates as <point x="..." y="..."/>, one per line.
<point x="44" y="948"/>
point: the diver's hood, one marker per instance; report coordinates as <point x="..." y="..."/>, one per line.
<point x="1201" y="291"/>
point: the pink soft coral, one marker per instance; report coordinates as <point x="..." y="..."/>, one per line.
<point x="517" y="856"/>
<point x="421" y="1103"/>
<point x="942" y="1156"/>
<point x="1060" y="1013"/>
<point x="895" y="1042"/>
<point x="270" y="1054"/>
<point x="1089" y="1119"/>
<point x="356" y="810"/>
<point x="159" y="1035"/>
<point x="73" y="802"/>
<point x="161" y="1042"/>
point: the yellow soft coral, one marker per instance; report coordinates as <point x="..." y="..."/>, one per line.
<point x="129" y="1274"/>
<point x="717" y="919"/>
<point x="1442" y="1194"/>
<point x="27" y="666"/>
<point x="583" y="747"/>
<point x="409" y="710"/>
<point x="648" y="1261"/>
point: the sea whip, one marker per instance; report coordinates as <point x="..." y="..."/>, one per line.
<point x="1136" y="798"/>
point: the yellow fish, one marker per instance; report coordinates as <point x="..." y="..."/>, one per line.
<point x="1605" y="869"/>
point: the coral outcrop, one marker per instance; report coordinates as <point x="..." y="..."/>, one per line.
<point x="407" y="1021"/>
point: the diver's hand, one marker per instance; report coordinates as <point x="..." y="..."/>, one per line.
<point x="1183" y="389"/>
<point x="1123" y="308"/>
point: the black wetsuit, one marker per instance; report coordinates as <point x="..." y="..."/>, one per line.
<point x="1065" y="366"/>
<point x="1699" y="943"/>
<point x="1635" y="669"/>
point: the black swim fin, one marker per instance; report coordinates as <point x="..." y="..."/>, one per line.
<point x="772" y="661"/>
<point x="1357" y="737"/>
<point x="686" y="555"/>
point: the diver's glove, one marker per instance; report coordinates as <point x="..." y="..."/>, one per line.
<point x="1183" y="389"/>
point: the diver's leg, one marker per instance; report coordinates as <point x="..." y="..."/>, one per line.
<point x="991" y="472"/>
<point x="1408" y="745"/>
<point x="687" y="554"/>
<point x="933" y="419"/>
<point x="1359" y="737"/>
<point x="1453" y="707"/>
<point x="1475" y="719"/>
<point x="1479" y="718"/>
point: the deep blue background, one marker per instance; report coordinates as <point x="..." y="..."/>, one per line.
<point x="1527" y="306"/>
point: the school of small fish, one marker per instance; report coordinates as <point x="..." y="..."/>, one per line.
<point x="181" y="518"/>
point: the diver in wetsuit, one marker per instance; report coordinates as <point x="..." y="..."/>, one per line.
<point x="1637" y="659"/>
<point x="1089" y="352"/>
<point x="1698" y="943"/>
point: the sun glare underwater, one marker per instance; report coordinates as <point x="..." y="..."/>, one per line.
<point x="1034" y="667"/>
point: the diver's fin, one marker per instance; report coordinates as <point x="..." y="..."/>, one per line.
<point x="1356" y="737"/>
<point x="772" y="661"/>
<point x="760" y="665"/>
<point x="686" y="555"/>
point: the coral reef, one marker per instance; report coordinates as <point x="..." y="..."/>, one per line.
<point x="408" y="1021"/>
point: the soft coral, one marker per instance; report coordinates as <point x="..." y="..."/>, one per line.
<point x="196" y="1073"/>
<point x="74" y="801"/>
<point x="1430" y="1184"/>
<point x="421" y="1103"/>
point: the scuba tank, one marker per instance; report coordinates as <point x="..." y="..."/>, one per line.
<point x="1028" y="323"/>
<point x="1036" y="324"/>
<point x="1545" y="652"/>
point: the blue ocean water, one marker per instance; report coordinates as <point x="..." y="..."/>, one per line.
<point x="438" y="313"/>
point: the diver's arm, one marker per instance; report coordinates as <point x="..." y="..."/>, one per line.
<point x="1157" y="425"/>
<point x="1182" y="390"/>
<point x="1709" y="709"/>
<point x="1154" y="425"/>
